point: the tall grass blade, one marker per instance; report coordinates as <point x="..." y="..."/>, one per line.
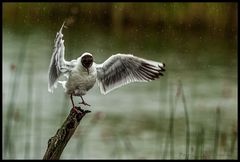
<point x="8" y="145"/>
<point x="233" y="141"/>
<point x="162" y="97"/>
<point x="186" y="121"/>
<point x="196" y="145"/>
<point x="202" y="134"/>
<point x="29" y="111"/>
<point x="217" y="127"/>
<point x="170" y="134"/>
<point x="38" y="125"/>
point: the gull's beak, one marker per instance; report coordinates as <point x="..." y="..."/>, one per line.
<point x="88" y="71"/>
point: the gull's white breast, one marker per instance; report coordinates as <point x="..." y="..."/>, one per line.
<point x="79" y="81"/>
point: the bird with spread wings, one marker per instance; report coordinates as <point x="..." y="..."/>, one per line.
<point x="82" y="73"/>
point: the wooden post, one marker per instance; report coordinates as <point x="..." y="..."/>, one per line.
<point x="57" y="143"/>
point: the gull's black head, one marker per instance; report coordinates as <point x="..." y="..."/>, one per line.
<point x="87" y="60"/>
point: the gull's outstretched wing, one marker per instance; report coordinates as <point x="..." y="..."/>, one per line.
<point x="58" y="64"/>
<point x="121" y="69"/>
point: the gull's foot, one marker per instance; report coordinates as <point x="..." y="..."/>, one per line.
<point x="84" y="103"/>
<point x="77" y="110"/>
<point x="80" y="111"/>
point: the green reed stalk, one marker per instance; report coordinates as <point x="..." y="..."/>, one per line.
<point x="217" y="130"/>
<point x="163" y="96"/>
<point x="233" y="140"/>
<point x="29" y="111"/>
<point x="196" y="145"/>
<point x="199" y="146"/>
<point x="202" y="134"/>
<point x="186" y="121"/>
<point x="38" y="125"/>
<point x="8" y="142"/>
<point x="170" y="134"/>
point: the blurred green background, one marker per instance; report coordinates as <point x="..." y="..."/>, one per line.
<point x="189" y="113"/>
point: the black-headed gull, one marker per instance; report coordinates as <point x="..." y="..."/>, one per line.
<point x="116" y="71"/>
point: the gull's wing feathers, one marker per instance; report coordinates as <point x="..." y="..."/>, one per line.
<point x="58" y="64"/>
<point x="121" y="69"/>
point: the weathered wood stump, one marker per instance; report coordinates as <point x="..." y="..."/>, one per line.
<point x="57" y="143"/>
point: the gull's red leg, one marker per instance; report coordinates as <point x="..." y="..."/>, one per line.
<point x="74" y="108"/>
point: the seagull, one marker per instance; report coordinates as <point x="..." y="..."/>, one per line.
<point x="82" y="73"/>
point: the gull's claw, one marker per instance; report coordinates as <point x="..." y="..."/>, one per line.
<point x="84" y="103"/>
<point x="76" y="110"/>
